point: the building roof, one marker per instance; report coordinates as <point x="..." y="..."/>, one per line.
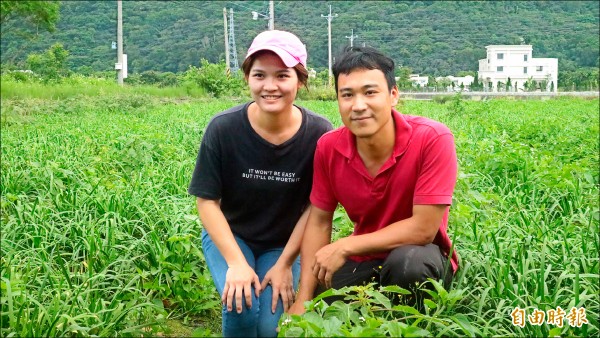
<point x="528" y="47"/>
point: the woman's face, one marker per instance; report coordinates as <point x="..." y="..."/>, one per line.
<point x="273" y="86"/>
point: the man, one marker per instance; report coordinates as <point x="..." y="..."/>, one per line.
<point x="394" y="174"/>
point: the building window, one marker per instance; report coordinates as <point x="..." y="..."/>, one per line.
<point x="525" y="57"/>
<point x="500" y="68"/>
<point x="524" y="70"/>
<point x="539" y="68"/>
<point x="500" y="56"/>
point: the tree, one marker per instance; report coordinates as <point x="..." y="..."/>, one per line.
<point x="444" y="83"/>
<point x="464" y="73"/>
<point x="500" y="86"/>
<point x="431" y="82"/>
<point x="42" y="14"/>
<point x="404" y="81"/>
<point x="508" y="84"/>
<point x="475" y="84"/>
<point x="52" y="64"/>
<point x="543" y="85"/>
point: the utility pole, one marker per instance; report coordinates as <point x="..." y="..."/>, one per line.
<point x="352" y="37"/>
<point x="232" y="50"/>
<point x="329" y="18"/>
<point x="227" y="69"/>
<point x="119" y="65"/>
<point x="271" y="15"/>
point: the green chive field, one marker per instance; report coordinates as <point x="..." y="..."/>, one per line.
<point x="100" y="238"/>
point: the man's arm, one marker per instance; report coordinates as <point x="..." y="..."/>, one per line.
<point x="420" y="229"/>
<point x="316" y="235"/>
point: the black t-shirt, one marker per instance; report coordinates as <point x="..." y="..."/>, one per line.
<point x="263" y="188"/>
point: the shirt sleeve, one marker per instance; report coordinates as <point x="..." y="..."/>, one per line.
<point x="322" y="195"/>
<point x="437" y="177"/>
<point x="206" y="179"/>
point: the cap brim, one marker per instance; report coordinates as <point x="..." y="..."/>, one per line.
<point x="288" y="60"/>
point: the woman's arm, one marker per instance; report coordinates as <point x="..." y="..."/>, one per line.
<point x="280" y="275"/>
<point x="240" y="276"/>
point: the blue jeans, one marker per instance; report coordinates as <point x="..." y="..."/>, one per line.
<point x="258" y="321"/>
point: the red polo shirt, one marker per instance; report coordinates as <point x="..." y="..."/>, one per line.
<point x="421" y="170"/>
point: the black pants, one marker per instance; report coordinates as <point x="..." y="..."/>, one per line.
<point x="406" y="266"/>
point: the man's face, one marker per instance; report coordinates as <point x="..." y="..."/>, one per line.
<point x="365" y="102"/>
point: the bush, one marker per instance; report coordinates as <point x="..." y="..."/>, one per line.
<point x="369" y="312"/>
<point x="50" y="65"/>
<point x="214" y="79"/>
<point x="20" y="76"/>
<point x="152" y="77"/>
<point x="321" y="93"/>
<point x="442" y="99"/>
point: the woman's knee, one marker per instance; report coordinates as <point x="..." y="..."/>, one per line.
<point x="243" y="323"/>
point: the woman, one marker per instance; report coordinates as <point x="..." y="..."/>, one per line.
<point x="252" y="182"/>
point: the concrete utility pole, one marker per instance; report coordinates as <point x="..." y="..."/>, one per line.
<point x="119" y="65"/>
<point x="271" y="15"/>
<point x="227" y="69"/>
<point x="352" y="37"/>
<point x="329" y="18"/>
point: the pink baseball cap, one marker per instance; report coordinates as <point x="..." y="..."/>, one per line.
<point x="285" y="44"/>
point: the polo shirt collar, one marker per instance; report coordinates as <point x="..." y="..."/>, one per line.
<point x="346" y="145"/>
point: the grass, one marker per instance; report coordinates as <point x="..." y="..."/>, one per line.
<point x="99" y="236"/>
<point x="78" y="86"/>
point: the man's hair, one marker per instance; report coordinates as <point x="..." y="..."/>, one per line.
<point x="353" y="58"/>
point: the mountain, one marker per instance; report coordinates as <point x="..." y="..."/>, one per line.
<point x="431" y="37"/>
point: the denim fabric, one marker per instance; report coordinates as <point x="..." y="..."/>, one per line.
<point x="258" y="321"/>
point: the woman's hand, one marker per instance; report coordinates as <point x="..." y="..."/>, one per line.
<point x="281" y="281"/>
<point x="239" y="280"/>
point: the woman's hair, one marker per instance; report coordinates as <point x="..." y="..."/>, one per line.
<point x="301" y="72"/>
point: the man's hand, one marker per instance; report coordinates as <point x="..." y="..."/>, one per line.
<point x="238" y="281"/>
<point x="297" y="308"/>
<point x="328" y="260"/>
<point x="281" y="281"/>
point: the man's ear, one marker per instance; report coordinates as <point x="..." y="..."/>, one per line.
<point x="395" y="94"/>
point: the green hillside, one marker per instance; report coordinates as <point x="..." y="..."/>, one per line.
<point x="431" y="37"/>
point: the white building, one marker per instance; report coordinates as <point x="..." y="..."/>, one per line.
<point x="420" y="81"/>
<point x="465" y="81"/>
<point x="517" y="63"/>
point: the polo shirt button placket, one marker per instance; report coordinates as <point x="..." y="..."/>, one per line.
<point x="379" y="185"/>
